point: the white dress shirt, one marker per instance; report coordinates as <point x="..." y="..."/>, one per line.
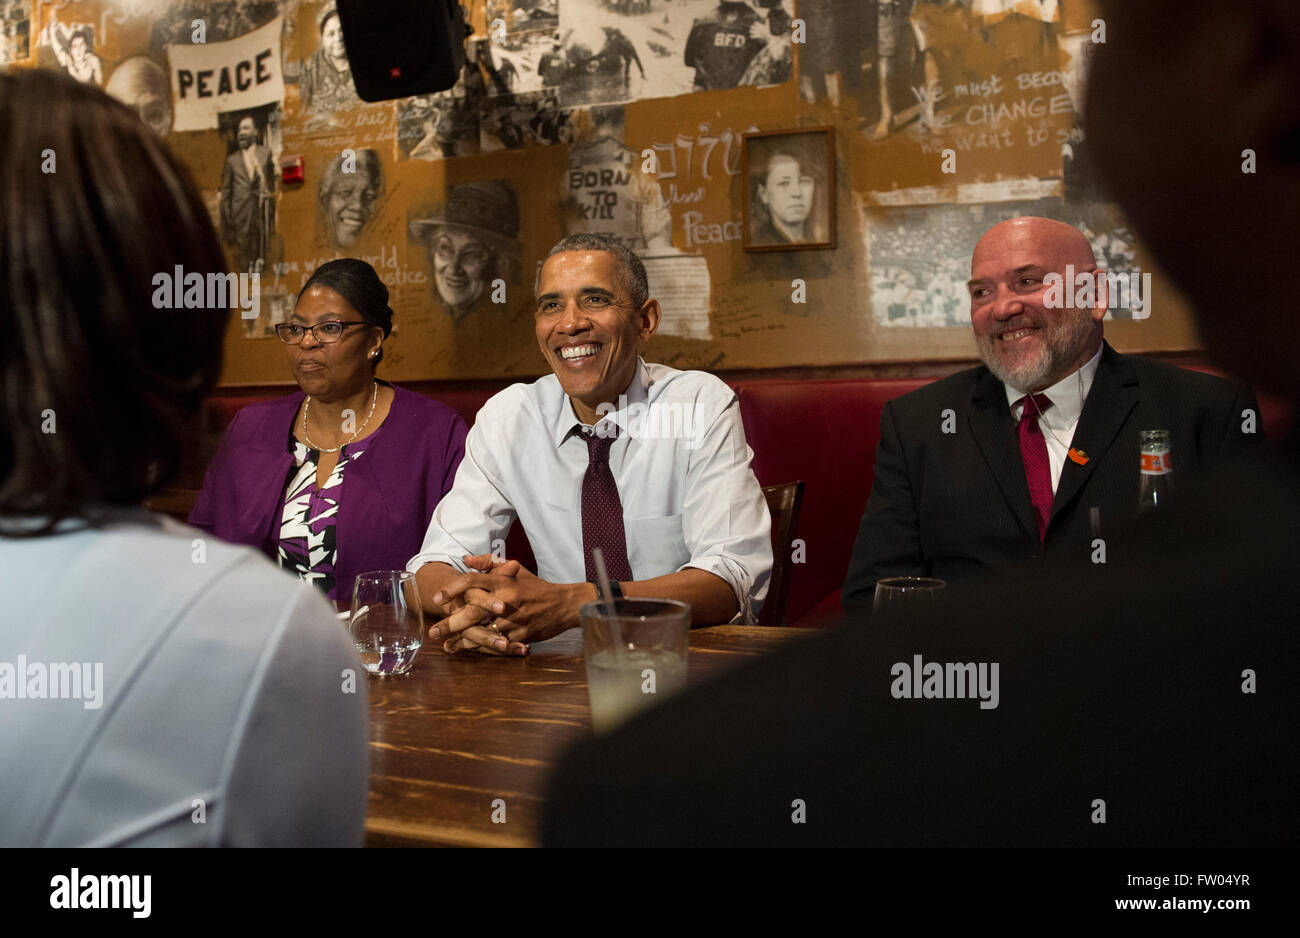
<point x="1059" y="421"/>
<point x="680" y="461"/>
<point x="250" y="163"/>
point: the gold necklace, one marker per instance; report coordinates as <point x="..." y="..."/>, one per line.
<point x="374" y="397"/>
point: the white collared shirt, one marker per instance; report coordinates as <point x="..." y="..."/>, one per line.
<point x="680" y="461"/>
<point x="1060" y="420"/>
<point x="250" y="163"/>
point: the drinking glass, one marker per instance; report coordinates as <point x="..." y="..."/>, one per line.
<point x="387" y="622"/>
<point x="636" y="656"/>
<point x="896" y="596"/>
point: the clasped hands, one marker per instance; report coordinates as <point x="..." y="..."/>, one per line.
<point x="500" y="607"/>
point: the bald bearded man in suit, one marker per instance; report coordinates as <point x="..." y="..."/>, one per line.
<point x="1035" y="454"/>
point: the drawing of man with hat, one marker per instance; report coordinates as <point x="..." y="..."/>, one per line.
<point x="472" y="241"/>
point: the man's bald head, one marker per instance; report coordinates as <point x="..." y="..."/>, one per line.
<point x="141" y="83"/>
<point x="1055" y="243"/>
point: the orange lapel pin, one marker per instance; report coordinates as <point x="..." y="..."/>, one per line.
<point x="1078" y="456"/>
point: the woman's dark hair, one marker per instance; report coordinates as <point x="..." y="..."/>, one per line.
<point x="101" y="383"/>
<point x="357" y="282"/>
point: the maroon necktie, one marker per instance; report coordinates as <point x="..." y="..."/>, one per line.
<point x="1033" y="452"/>
<point x="602" y="511"/>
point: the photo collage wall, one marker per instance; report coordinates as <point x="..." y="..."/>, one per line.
<point x="888" y="134"/>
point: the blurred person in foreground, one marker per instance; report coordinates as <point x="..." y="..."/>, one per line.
<point x="341" y="476"/>
<point x="147" y="675"/>
<point x="1149" y="701"/>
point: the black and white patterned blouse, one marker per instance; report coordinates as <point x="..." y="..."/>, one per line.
<point x="307" y="539"/>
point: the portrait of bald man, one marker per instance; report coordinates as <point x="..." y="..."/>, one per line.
<point x="141" y="83"/>
<point x="1035" y="453"/>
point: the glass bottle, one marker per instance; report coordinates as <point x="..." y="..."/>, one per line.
<point x="1156" y="469"/>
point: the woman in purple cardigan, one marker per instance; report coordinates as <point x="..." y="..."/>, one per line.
<point x="343" y="476"/>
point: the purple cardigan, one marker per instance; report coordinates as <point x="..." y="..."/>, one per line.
<point x="385" y="501"/>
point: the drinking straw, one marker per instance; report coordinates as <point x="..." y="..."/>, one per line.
<point x="607" y="600"/>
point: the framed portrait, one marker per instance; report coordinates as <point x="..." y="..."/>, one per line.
<point x="789" y="189"/>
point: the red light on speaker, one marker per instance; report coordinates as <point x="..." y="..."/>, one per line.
<point x="395" y="72"/>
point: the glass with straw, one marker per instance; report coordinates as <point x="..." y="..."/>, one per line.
<point x="635" y="651"/>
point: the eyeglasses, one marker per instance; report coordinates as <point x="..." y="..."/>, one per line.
<point x="291" y="333"/>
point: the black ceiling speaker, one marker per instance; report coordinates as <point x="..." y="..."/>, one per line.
<point x="399" y="48"/>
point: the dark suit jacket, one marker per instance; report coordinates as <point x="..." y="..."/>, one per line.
<point x="956" y="505"/>
<point x="1123" y="688"/>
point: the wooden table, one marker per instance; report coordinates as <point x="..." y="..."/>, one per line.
<point x="458" y="736"/>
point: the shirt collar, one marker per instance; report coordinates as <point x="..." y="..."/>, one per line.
<point x="1066" y="400"/>
<point x="636" y="393"/>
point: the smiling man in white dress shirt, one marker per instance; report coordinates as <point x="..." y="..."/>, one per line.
<point x="645" y="461"/>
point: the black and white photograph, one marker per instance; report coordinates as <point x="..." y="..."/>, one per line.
<point x="596" y="62"/>
<point x="610" y="51"/>
<point x="524" y="38"/>
<point x="215" y="78"/>
<point x="417" y="121"/>
<point x="512" y="121"/>
<point x="738" y="44"/>
<point x="831" y="58"/>
<point x="325" y="79"/>
<point x="945" y="50"/>
<point x="274" y="306"/>
<point x="72" y="47"/>
<point x="471" y="239"/>
<point x="15" y="31"/>
<point x="435" y="126"/>
<point x="221" y="21"/>
<point x="1078" y="169"/>
<point x="500" y="73"/>
<point x="248" y="186"/>
<point x="141" y="83"/>
<point x="486" y="109"/>
<point x="920" y="255"/>
<point x="605" y="191"/>
<point x="350" y="195"/>
<point x="790" y="181"/>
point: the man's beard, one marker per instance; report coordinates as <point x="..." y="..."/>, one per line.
<point x="1064" y="344"/>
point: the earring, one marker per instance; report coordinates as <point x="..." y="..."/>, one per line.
<point x="373" y="353"/>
